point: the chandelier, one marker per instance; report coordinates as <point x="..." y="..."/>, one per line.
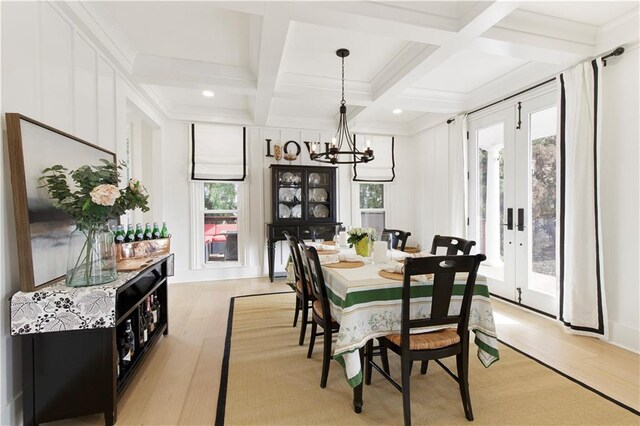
<point x="342" y="149"/>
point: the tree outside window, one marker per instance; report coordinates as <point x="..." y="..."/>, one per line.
<point x="220" y="221"/>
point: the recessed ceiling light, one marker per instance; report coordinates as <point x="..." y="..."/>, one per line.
<point x="397" y="111"/>
<point x="207" y="93"/>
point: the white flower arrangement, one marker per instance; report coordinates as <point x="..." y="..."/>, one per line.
<point x="357" y="234"/>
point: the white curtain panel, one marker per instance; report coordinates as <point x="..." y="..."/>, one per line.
<point x="382" y="167"/>
<point x="458" y="176"/>
<point x="218" y="152"/>
<point x="581" y="289"/>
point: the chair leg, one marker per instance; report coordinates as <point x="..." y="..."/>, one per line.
<point x="406" y="391"/>
<point x="314" y="329"/>
<point x="385" y="359"/>
<point x="462" y="363"/>
<point x="326" y="355"/>
<point x="423" y="367"/>
<point x="303" y="328"/>
<point x="367" y="363"/>
<point x="295" y="316"/>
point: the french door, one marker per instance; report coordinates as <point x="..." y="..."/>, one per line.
<point x="512" y="177"/>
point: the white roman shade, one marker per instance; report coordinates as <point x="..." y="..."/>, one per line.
<point x="218" y="152"/>
<point x="381" y="168"/>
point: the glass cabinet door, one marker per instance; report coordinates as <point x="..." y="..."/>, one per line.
<point x="289" y="195"/>
<point x="319" y="193"/>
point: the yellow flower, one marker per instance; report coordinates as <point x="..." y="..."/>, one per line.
<point x="105" y="195"/>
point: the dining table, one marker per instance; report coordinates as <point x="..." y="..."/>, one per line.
<point x="368" y="305"/>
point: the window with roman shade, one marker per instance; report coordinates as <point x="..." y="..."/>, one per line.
<point x="381" y="168"/>
<point x="218" y="152"/>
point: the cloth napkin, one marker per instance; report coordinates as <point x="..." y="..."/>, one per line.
<point x="340" y="257"/>
<point x="402" y="255"/>
<point x="393" y="266"/>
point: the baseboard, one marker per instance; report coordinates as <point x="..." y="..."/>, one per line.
<point x="623" y="336"/>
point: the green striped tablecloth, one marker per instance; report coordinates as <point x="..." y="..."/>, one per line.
<point x="367" y="306"/>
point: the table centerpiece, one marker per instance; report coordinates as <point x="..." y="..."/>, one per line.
<point x="361" y="239"/>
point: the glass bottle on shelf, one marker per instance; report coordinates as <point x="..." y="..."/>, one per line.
<point x="130" y="237"/>
<point x="164" y="233"/>
<point x="120" y="235"/>
<point x="151" y="326"/>
<point x="139" y="232"/>
<point x="156" y="231"/>
<point x="142" y="327"/>
<point x="155" y="309"/>
<point x="130" y="342"/>
<point x="148" y="233"/>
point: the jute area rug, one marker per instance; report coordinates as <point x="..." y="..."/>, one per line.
<point x="267" y="380"/>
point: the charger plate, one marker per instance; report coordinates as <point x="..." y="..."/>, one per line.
<point x="397" y="276"/>
<point x="345" y="265"/>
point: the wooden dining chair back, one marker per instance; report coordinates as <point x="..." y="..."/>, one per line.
<point x="454" y="245"/>
<point x="304" y="296"/>
<point x="445" y="342"/>
<point x="321" y="310"/>
<point x="398" y="238"/>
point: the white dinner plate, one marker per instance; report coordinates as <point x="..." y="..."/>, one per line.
<point x="320" y="211"/>
<point x="296" y="211"/>
<point x="285" y="211"/>
<point x="287" y="194"/>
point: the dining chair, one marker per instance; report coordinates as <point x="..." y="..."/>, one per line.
<point x="398" y="237"/>
<point x="304" y="296"/>
<point x="444" y="342"/>
<point x="454" y="245"/>
<point x="320" y="312"/>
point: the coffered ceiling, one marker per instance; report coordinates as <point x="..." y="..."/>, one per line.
<point x="274" y="63"/>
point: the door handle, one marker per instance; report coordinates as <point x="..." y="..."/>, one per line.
<point x="509" y="223"/>
<point x="520" y="219"/>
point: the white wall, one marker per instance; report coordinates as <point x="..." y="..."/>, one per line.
<point x="431" y="184"/>
<point x="51" y="72"/>
<point x="258" y="185"/>
<point x="620" y="183"/>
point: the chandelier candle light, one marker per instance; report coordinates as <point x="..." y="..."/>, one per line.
<point x="342" y="149"/>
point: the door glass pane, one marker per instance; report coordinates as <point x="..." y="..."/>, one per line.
<point x="543" y="202"/>
<point x="491" y="198"/>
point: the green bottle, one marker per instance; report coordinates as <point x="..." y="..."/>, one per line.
<point x="139" y="232"/>
<point x="156" y="231"/>
<point x="119" y="235"/>
<point x="148" y="233"/>
<point x="165" y="232"/>
<point x="130" y="237"/>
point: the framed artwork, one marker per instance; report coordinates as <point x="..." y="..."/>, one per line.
<point x="42" y="230"/>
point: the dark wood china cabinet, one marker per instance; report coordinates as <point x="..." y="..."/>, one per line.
<point x="303" y="203"/>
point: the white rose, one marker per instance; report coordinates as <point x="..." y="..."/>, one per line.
<point x="134" y="184"/>
<point x="105" y="195"/>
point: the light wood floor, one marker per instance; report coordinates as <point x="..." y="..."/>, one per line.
<point x="179" y="382"/>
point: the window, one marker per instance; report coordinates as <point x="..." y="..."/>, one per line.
<point x="220" y="216"/>
<point x="371" y="206"/>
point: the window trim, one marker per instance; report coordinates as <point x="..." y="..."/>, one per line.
<point x="197" y="226"/>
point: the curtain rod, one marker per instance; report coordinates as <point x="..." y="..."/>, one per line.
<point x="616" y="52"/>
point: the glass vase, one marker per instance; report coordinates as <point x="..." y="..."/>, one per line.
<point x="363" y="247"/>
<point x="92" y="256"/>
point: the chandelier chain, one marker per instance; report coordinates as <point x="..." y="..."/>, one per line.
<point x="342" y="102"/>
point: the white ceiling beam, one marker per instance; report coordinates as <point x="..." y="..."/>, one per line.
<point x="621" y="31"/>
<point x="275" y="26"/>
<point x="377" y="19"/>
<point x="477" y="21"/>
<point x="163" y="71"/>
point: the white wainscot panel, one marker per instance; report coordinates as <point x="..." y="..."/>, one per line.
<point x="86" y="105"/>
<point x="56" y="41"/>
<point x="20" y="83"/>
<point x="106" y="105"/>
